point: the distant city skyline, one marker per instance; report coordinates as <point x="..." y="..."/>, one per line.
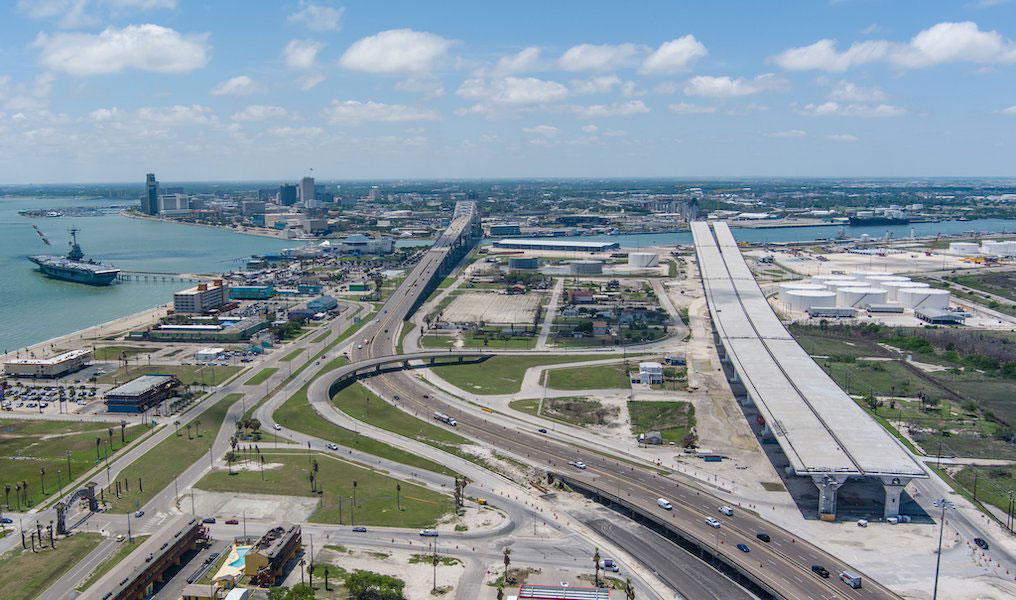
<point x="108" y="90"/>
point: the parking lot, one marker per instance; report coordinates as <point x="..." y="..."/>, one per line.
<point x="492" y="308"/>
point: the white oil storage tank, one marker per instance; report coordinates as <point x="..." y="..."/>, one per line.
<point x="802" y="300"/>
<point x="863" y="275"/>
<point x="643" y="260"/>
<point x="860" y="297"/>
<point x="993" y="248"/>
<point x="878" y="280"/>
<point x="924" y="297"/>
<point x="894" y="287"/>
<point x="964" y="248"/>
<point x="823" y="278"/>
<point x="842" y="283"/>
<point x="798" y="285"/>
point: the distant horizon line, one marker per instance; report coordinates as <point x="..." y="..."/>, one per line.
<point x="702" y="178"/>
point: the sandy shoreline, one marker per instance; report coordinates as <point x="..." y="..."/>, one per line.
<point x="89" y="336"/>
<point x="266" y="233"/>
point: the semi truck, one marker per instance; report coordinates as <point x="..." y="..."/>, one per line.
<point x="445" y="419"/>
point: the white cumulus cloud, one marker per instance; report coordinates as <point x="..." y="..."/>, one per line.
<point x="619" y="109"/>
<point x="354" y="112"/>
<point x="301" y="54"/>
<point x="846" y="91"/>
<point x="673" y="56"/>
<point x="261" y="112"/>
<point x="114" y="50"/>
<point x="513" y="90"/>
<point x="524" y="60"/>
<point x="789" y="133"/>
<point x="728" y="87"/>
<point x="309" y="82"/>
<point x="939" y="44"/>
<point x="685" y="108"/>
<point x="178" y="114"/>
<point x="595" y="85"/>
<point x="544" y="130"/>
<point x="833" y="108"/>
<point x="241" y="85"/>
<point x="597" y="57"/>
<point x="396" y="51"/>
<point x="318" y="17"/>
<point x="842" y="137"/>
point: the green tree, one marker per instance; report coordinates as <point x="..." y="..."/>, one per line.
<point x="367" y="585"/>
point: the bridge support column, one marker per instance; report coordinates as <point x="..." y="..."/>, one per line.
<point x="894" y="487"/>
<point x="827" y="487"/>
<point x="734" y="378"/>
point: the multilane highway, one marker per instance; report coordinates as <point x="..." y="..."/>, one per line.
<point x="783" y="565"/>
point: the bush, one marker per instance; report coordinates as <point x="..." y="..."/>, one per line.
<point x="367" y="585"/>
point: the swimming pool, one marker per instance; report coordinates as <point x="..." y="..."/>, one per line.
<point x="241" y="552"/>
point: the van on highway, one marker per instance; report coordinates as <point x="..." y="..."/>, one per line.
<point x="727" y="511"/>
<point x="850" y="578"/>
<point x="428" y="532"/>
<point x="664" y="503"/>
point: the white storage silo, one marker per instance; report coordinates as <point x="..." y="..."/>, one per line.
<point x="924" y="298"/>
<point x="798" y="285"/>
<point x="802" y="300"/>
<point x="842" y="283"/>
<point x="964" y="248"/>
<point x="894" y="287"/>
<point x="824" y="278"/>
<point x="993" y="248"/>
<point x="643" y="260"/>
<point x="863" y="274"/>
<point x="859" y="297"/>
<point x="879" y="280"/>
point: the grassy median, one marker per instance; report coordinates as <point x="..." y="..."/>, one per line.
<point x="25" y="574"/>
<point x="502" y="374"/>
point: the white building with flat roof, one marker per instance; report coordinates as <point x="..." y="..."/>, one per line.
<point x="557" y="245"/>
<point x="55" y="366"/>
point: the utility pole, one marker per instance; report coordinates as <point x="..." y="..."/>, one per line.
<point x="943" y="504"/>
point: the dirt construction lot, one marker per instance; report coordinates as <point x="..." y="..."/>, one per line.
<point x="492" y="308"/>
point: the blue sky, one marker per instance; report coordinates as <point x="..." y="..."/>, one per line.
<point x="106" y="90"/>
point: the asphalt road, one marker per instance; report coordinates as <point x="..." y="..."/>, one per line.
<point x="785" y="563"/>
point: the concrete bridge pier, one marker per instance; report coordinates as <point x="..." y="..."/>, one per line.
<point x="827" y="487"/>
<point x="894" y="487"/>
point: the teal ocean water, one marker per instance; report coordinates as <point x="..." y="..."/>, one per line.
<point x="34" y="308"/>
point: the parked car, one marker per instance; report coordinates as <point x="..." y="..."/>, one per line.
<point x="820" y="571"/>
<point x="608" y="564"/>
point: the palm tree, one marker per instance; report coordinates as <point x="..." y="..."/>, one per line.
<point x="176" y="424"/>
<point x="7" y="495"/>
<point x="188" y="431"/>
<point x="42" y="477"/>
<point x="123" y="441"/>
<point x="255" y="426"/>
<point x="197" y="426"/>
<point x="17" y="490"/>
<point x="98" y="442"/>
<point x="230" y="459"/>
<point x="110" y="430"/>
<point x="24" y="489"/>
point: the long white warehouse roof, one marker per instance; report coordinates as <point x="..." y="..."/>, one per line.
<point x="819" y="427"/>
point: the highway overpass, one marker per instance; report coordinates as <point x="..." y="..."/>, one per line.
<point x="824" y="434"/>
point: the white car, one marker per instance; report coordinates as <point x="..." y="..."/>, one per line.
<point x="664" y="504"/>
<point x="727" y="510"/>
<point x="713" y="522"/>
<point x="277" y="427"/>
<point x="579" y="465"/>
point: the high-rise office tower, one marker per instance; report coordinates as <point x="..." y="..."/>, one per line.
<point x="150" y="201"/>
<point x="287" y="194"/>
<point x="308" y="194"/>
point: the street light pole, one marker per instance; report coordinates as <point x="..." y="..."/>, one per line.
<point x="944" y="504"/>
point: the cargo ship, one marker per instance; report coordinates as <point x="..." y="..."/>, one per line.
<point x="74" y="267"/>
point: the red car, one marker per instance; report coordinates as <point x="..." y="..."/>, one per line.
<point x="232" y="522"/>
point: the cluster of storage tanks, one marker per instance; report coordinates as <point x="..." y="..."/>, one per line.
<point x="860" y="289"/>
<point x="986" y="248"/>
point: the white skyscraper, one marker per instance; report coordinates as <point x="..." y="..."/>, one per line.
<point x="307" y="193"/>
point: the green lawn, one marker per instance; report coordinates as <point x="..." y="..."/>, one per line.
<point x="25" y="575"/>
<point x="589" y="378"/>
<point x="160" y="465"/>
<point x="28" y="446"/>
<point x="502" y="374"/>
<point x="674" y="420"/>
<point x="262" y="376"/>
<point x="994" y="484"/>
<point x="358" y="402"/>
<point x="292" y="355"/>
<point x="111" y="561"/>
<point x="112" y="353"/>
<point x="321" y="338"/>
<point x="187" y="374"/>
<point x="297" y="414"/>
<point x="407" y="327"/>
<point x="437" y="341"/>
<point x="375" y="492"/>
<point x="530" y="406"/>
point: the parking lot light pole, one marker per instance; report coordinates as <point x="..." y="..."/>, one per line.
<point x="943" y="504"/>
